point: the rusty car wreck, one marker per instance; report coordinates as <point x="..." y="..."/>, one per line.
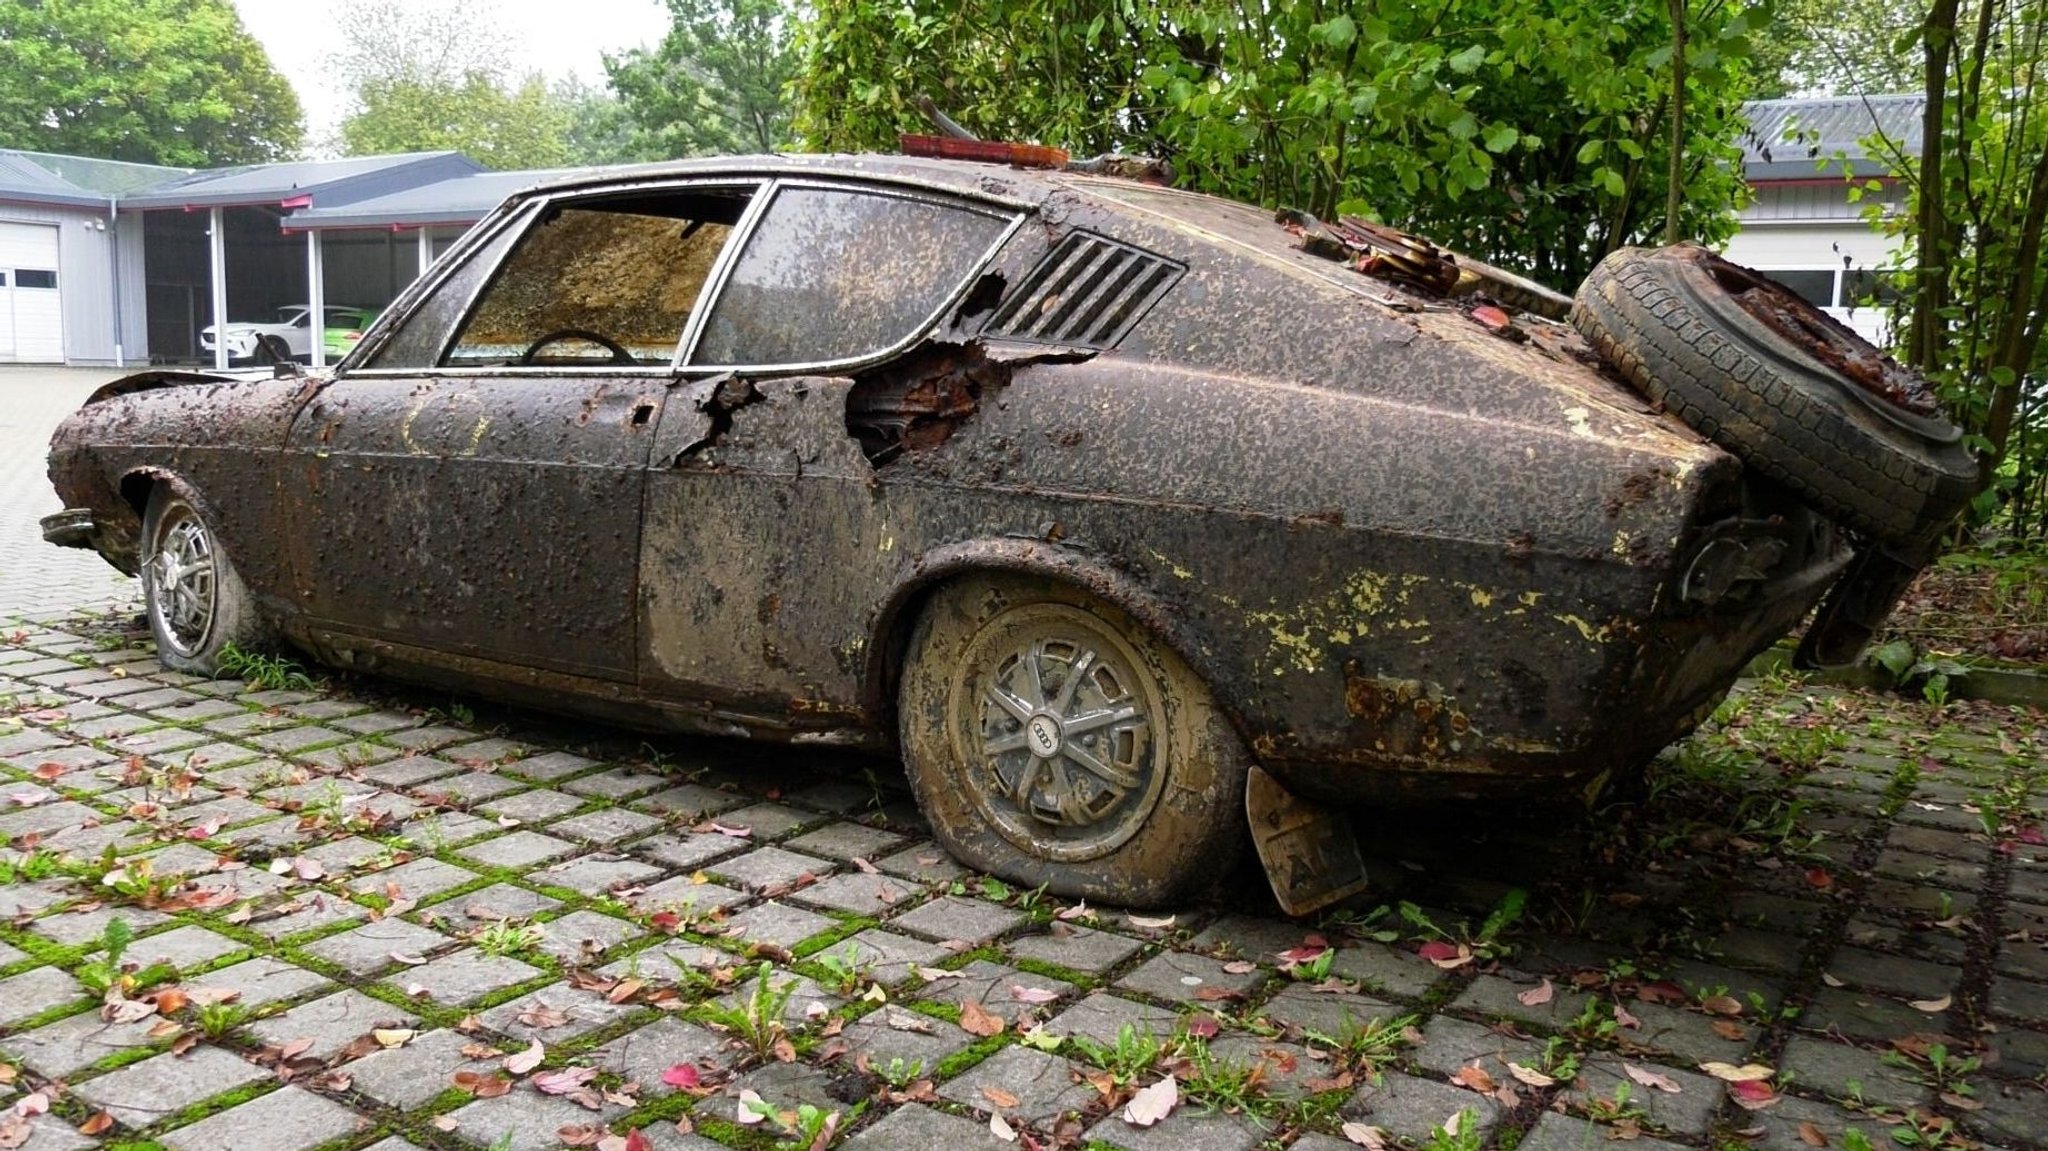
<point x="1116" y="509"/>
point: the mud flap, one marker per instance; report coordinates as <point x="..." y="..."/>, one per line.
<point x="1309" y="853"/>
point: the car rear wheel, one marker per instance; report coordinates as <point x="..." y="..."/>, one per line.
<point x="1052" y="740"/>
<point x="1782" y="385"/>
<point x="196" y="603"/>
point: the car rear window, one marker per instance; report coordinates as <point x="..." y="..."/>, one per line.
<point x="835" y="274"/>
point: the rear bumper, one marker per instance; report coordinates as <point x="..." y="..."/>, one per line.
<point x="70" y="528"/>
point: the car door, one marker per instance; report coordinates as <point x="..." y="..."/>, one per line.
<point x="765" y="536"/>
<point x="473" y="490"/>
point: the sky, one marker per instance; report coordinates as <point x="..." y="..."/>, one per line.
<point x="549" y="36"/>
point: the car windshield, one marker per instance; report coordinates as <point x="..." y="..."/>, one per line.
<point x="293" y="315"/>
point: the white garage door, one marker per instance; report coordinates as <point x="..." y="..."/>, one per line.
<point x="31" y="306"/>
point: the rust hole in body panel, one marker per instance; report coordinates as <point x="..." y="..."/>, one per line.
<point x="916" y="403"/>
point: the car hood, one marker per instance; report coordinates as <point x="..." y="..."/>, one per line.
<point x="171" y="378"/>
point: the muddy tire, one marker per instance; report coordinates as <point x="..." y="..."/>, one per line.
<point x="1783" y="386"/>
<point x="194" y="600"/>
<point x="1050" y="739"/>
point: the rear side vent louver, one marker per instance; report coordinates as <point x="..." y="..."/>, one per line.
<point x="1087" y="293"/>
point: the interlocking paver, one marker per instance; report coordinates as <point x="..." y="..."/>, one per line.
<point x="464" y="977"/>
<point x="159" y="1087"/>
<point x="330" y="1022"/>
<point x="288" y="1119"/>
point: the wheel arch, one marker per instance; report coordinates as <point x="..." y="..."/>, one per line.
<point x="1090" y="572"/>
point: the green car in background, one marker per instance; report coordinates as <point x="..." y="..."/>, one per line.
<point x="345" y="327"/>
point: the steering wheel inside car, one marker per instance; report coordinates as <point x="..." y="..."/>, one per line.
<point x="619" y="354"/>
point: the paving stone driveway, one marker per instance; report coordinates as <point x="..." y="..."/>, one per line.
<point x="345" y="915"/>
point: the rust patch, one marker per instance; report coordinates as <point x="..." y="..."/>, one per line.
<point x="1635" y="489"/>
<point x="1819" y="335"/>
<point x="1405" y="716"/>
<point x="918" y="402"/>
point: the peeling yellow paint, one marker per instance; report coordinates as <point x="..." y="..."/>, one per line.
<point x="1178" y="571"/>
<point x="1591" y="633"/>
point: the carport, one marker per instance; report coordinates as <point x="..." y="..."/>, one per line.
<point x="189" y="226"/>
<point x="375" y="247"/>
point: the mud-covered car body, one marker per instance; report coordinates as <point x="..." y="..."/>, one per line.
<point x="1409" y="544"/>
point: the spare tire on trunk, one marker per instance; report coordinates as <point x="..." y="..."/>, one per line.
<point x="1782" y="385"/>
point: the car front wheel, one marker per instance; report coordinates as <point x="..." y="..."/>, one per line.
<point x="1052" y="740"/>
<point x="196" y="603"/>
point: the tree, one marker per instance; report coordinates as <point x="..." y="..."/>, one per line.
<point x="715" y="84"/>
<point x="430" y="75"/>
<point x="1533" y="133"/>
<point x="177" y="82"/>
<point x="1838" y="47"/>
<point x="1976" y="281"/>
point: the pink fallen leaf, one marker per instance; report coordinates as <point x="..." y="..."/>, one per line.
<point x="729" y="830"/>
<point x="1023" y="994"/>
<point x="526" y="1060"/>
<point x="1538" y="996"/>
<point x="565" y="1080"/>
<point x="682" y="1075"/>
<point x="1752" y="1094"/>
<point x="1151" y="1104"/>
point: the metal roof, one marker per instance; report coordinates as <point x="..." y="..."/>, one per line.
<point x="22" y="180"/>
<point x="109" y="177"/>
<point x="1791" y="139"/>
<point x="467" y="199"/>
<point x="460" y="200"/>
<point x="304" y="182"/>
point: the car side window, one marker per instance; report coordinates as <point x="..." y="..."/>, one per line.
<point x="839" y="274"/>
<point x="600" y="282"/>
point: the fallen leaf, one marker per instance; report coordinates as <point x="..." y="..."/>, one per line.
<point x="1537" y="996"/>
<point x="1721" y="1005"/>
<point x="1729" y="1073"/>
<point x="1811" y="1135"/>
<point x="1151" y="1104"/>
<point x="1072" y="913"/>
<point x="393" y="1036"/>
<point x="563" y="1081"/>
<point x="483" y="1085"/>
<point x="1473" y="1076"/>
<point x="1530" y="1075"/>
<point x="999" y="1097"/>
<point x="751" y="1108"/>
<point x="901" y="1020"/>
<point x="682" y="1075"/>
<point x="865" y="866"/>
<point x="727" y="830"/>
<point x="1752" y="1095"/>
<point x="1830" y="980"/>
<point x="1366" y="1135"/>
<point x="1155" y="924"/>
<point x="1649" y="1078"/>
<point x="1931" y="1006"/>
<point x="1000" y="1128"/>
<point x="1730" y="1030"/>
<point x="1023" y="994"/>
<point x="1624" y="1019"/>
<point x="99" y="1121"/>
<point x="526" y="1060"/>
<point x="978" y="1020"/>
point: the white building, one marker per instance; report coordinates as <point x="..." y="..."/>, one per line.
<point x="1801" y="156"/>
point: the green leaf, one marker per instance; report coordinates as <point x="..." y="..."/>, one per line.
<point x="1590" y="150"/>
<point x="1469" y="60"/>
<point x="1339" y="31"/>
<point x="1501" y="137"/>
<point x="1611" y="180"/>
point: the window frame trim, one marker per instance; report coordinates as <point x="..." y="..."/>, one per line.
<point x="522" y="216"/>
<point x="714" y="288"/>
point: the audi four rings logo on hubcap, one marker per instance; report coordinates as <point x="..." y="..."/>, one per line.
<point x="1044" y="731"/>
